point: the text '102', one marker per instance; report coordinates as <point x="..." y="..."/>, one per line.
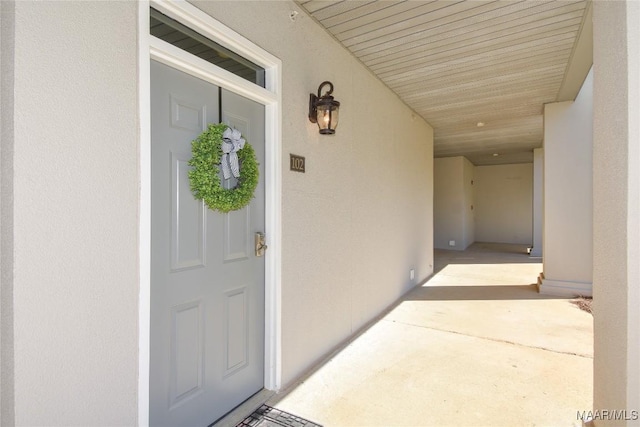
<point x="296" y="163"/>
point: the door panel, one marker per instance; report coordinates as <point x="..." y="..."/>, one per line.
<point x="187" y="355"/>
<point x="236" y="330"/>
<point x="188" y="227"/>
<point x="207" y="285"/>
<point x="237" y="234"/>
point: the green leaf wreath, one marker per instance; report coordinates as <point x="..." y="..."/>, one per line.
<point x="205" y="176"/>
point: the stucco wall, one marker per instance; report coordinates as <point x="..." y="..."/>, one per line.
<point x="449" y="216"/>
<point x="361" y="216"/>
<point x="353" y="225"/>
<point x="503" y="200"/>
<point x="616" y="197"/>
<point x="538" y="200"/>
<point x="75" y="214"/>
<point x="481" y="203"/>
<point x="7" y="13"/>
<point x="468" y="208"/>
<point x="568" y="199"/>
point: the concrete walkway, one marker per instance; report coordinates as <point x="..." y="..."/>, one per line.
<point x="476" y="345"/>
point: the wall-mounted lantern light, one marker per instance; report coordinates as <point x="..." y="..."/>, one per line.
<point x="323" y="110"/>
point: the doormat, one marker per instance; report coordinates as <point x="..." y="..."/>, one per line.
<point x="266" y="416"/>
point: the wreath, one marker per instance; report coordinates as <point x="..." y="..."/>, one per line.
<point x="221" y="147"/>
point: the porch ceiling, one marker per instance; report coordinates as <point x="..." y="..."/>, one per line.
<point x="458" y="63"/>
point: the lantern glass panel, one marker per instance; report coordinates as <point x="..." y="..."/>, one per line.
<point x="327" y="117"/>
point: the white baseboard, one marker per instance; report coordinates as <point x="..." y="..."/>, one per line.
<point x="564" y="288"/>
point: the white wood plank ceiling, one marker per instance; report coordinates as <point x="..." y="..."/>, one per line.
<point x="461" y="63"/>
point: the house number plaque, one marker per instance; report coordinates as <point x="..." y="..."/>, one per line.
<point x="296" y="163"/>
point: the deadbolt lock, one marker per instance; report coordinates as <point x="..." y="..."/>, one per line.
<point x="261" y="247"/>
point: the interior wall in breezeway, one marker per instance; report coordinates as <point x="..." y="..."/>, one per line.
<point x="504" y="203"/>
<point x="568" y="194"/>
<point x="7" y="50"/>
<point x="538" y="201"/>
<point x="481" y="203"/>
<point x="452" y="203"/>
<point x="616" y="216"/>
<point x="354" y="224"/>
<point x="360" y="218"/>
<point x="468" y="208"/>
<point x="73" y="197"/>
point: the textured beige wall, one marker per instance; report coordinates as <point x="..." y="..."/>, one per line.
<point x="6" y="212"/>
<point x="538" y="200"/>
<point x="453" y="201"/>
<point x="616" y="232"/>
<point x="75" y="214"/>
<point x="448" y="203"/>
<point x="468" y="191"/>
<point x="361" y="216"/>
<point x="353" y="225"/>
<point x="503" y="201"/>
<point x="568" y="188"/>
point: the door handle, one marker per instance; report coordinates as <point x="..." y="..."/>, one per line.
<point x="261" y="247"/>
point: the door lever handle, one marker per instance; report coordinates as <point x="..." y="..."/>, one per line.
<point x="261" y="247"/>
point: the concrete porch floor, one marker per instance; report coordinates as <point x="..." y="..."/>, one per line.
<point x="475" y="345"/>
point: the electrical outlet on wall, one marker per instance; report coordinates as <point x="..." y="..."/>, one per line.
<point x="452" y="242"/>
<point x="412" y="274"/>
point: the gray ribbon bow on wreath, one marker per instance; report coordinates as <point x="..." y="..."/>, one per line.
<point x="232" y="142"/>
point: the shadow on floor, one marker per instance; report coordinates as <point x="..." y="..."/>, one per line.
<point x="266" y="416"/>
<point x="483" y="292"/>
<point x="475" y="345"/>
<point x="485" y="253"/>
<point x="476" y="257"/>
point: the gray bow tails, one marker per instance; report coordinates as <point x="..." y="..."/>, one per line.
<point x="232" y="142"/>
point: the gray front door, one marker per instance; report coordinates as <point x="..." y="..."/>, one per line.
<point x="207" y="285"/>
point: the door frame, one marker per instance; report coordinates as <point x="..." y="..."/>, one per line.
<point x="152" y="48"/>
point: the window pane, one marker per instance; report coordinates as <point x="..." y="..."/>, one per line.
<point x="188" y="40"/>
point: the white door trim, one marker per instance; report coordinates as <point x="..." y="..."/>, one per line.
<point x="271" y="97"/>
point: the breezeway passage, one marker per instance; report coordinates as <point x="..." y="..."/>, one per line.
<point x="475" y="345"/>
